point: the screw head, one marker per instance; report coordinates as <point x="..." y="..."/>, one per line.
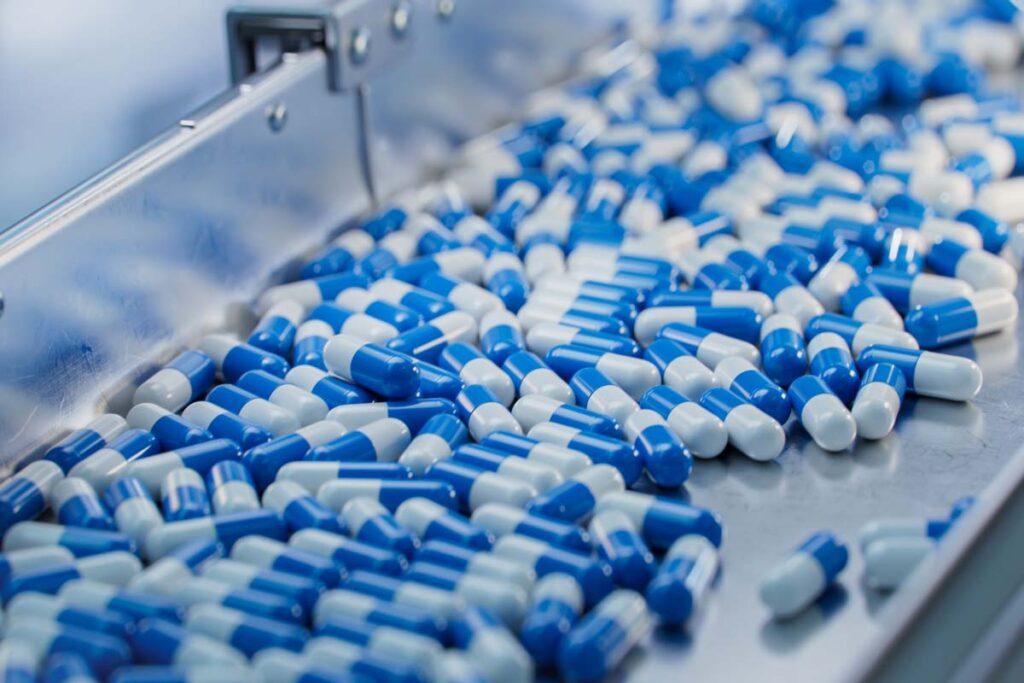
<point x="359" y="49"/>
<point x="401" y="15"/>
<point x="445" y="8"/>
<point x="277" y="116"/>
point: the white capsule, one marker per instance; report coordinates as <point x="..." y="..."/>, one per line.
<point x="689" y="376"/>
<point x="878" y="311"/>
<point x="634" y="375"/>
<point x="484" y="371"/>
<point x="875" y="410"/>
<point x="889" y="561"/>
<point x="704" y="434"/>
<point x="489" y="418"/>
<point x="715" y="347"/>
<point x="828" y="422"/>
<point x="755" y="433"/>
<point x="650" y="321"/>
<point x="799" y="303"/>
<point x="983" y="270"/>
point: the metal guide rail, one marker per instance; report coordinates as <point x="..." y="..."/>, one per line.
<point x="370" y="97"/>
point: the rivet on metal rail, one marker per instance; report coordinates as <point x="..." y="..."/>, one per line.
<point x="277" y="116"/>
<point x="401" y="16"/>
<point x="445" y="9"/>
<point x="359" y="48"/>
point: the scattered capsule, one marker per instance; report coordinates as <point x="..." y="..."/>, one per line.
<point x="790" y="587"/>
<point x="531" y="376"/>
<point x="666" y="459"/>
<point x="557" y="605"/>
<point x="153" y="470"/>
<point x="432" y="522"/>
<point x="224" y="528"/>
<point x="678" y="591"/>
<point x="306" y="407"/>
<point x="133" y="509"/>
<point x="314" y="475"/>
<point x="565" y="461"/>
<point x="380" y="441"/>
<point x="247" y="633"/>
<point x="170" y="430"/>
<point x="822" y="414"/>
<point x="948" y="322"/>
<point x="106" y="464"/>
<point x="679" y="369"/>
<point x="878" y="400"/>
<point x="473" y="367"/>
<point x="437" y="602"/>
<point x="662" y="520"/>
<point x="856" y="334"/>
<point x="836" y="276"/>
<point x="703" y="434"/>
<point x="750" y="384"/>
<point x="501" y="335"/>
<point x="355" y="605"/>
<point x="359" y="300"/>
<point x="599" y="394"/>
<point x="927" y="373"/>
<point x="80" y="542"/>
<point x="483" y="413"/>
<point x="752" y="431"/>
<point x="906" y="292"/>
<point x="475" y="487"/>
<point x="29" y="559"/>
<point x="865" y="303"/>
<point x="298" y="508"/>
<point x="358" y="662"/>
<point x="889" y="561"/>
<point x="600" y="449"/>
<point x="266" y="460"/>
<point x="234" y="358"/>
<point x="976" y="267"/>
<point x="183" y="496"/>
<point x="535" y="409"/>
<point x="180" y="382"/>
<point x="372" y="367"/>
<point x="225" y="425"/>
<point x="832" y="361"/>
<point x="310" y="339"/>
<point x="81" y="443"/>
<point x="783" y="353"/>
<point x="77" y="505"/>
<point x="332" y="390"/>
<point x="436" y="440"/>
<point x="97" y="596"/>
<point x="545" y="336"/>
<point x="430" y="339"/>
<point x="620" y="545"/>
<point x="603" y="638"/>
<point x="709" y="347"/>
<point x="632" y="375"/>
<point x="593" y="575"/>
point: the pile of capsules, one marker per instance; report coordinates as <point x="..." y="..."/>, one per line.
<point x="422" y="464"/>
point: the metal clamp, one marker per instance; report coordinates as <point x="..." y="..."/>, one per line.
<point x="361" y="37"/>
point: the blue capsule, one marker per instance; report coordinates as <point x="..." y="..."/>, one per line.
<point x="77" y="505"/>
<point x="743" y="379"/>
<point x="557" y="605"/>
<point x="361" y="301"/>
<point x="234" y="358"/>
<point x="380" y="441"/>
<point x="429" y="305"/>
<point x="310" y="292"/>
<point x="666" y="459"/>
<point x="225" y="425"/>
<point x="928" y="373"/>
<point x="620" y="545"/>
<point x="576" y="498"/>
<point x="169" y="429"/>
<point x="80" y="542"/>
<point x="793" y="585"/>
<point x="265" y="460"/>
<point x="153" y="470"/>
<point x="370" y="522"/>
<point x="339" y="256"/>
<point x="432" y="522"/>
<point x="272" y="554"/>
<point x="948" y="322"/>
<point x="132" y="448"/>
<point x="680" y="369"/>
<point x="310" y="339"/>
<point x="502" y="520"/>
<point x="180" y="382"/>
<point x="231" y="488"/>
<point x="183" y="496"/>
<point x="25" y="495"/>
<point x="355" y="605"/>
<point x="602" y="639"/>
<point x="530" y="375"/>
<point x="832" y="361"/>
<point x="475" y="487"/>
<point x="878" y="400"/>
<point x="600" y="449"/>
<point x="436" y="440"/>
<point x="466" y="296"/>
<point x="429" y="340"/>
<point x="858" y="335"/>
<point x="334" y="391"/>
<point x="864" y="302"/>
<point x="298" y="508"/>
<point x="501" y="335"/>
<point x="253" y="408"/>
<point x="474" y="368"/>
<point x="82" y="443"/>
<point x="348" y="552"/>
<point x="633" y="375"/>
<point x="483" y="413"/>
<point x="115" y="568"/>
<point x="275" y="331"/>
<point x="158" y="641"/>
<point x="296" y="590"/>
<point x="372" y="367"/>
<point x="247" y="633"/>
<point x="783" y="353"/>
<point x="342" y="321"/>
<point x="226" y="529"/>
<point x="535" y="409"/>
<point x="680" y="587"/>
<point x="104" y="653"/>
<point x="592" y="575"/>
<point x="822" y="414"/>
<point x="131" y="504"/>
<point x="389" y="492"/>
<point x="663" y="520"/>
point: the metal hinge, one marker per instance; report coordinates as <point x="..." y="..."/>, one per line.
<point x="361" y="37"/>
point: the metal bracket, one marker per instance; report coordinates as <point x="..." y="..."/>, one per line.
<point x="361" y="37"/>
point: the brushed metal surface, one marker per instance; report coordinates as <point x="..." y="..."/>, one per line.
<point x="139" y="261"/>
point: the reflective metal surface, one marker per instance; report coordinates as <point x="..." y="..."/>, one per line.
<point x="139" y="261"/>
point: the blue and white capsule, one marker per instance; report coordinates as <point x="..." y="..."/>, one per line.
<point x="666" y="459"/>
<point x="254" y="409"/>
<point x="430" y="339"/>
<point x="334" y="391"/>
<point x="535" y="409"/>
<point x="225" y="425"/>
<point x="680" y="369"/>
<point x="865" y="303"/>
<point x="593" y="575"/>
<point x="634" y="375"/>
<point x="501" y="335"/>
<point x="857" y="334"/>
<point x="603" y="638"/>
<point x="565" y="461"/>
<point x="339" y="255"/>
<point x="788" y="295"/>
<point x="370" y="522"/>
<point x="414" y="413"/>
<point x="539" y="477"/>
<point x="103" y="466"/>
<point x="29" y="559"/>
<point x="473" y="367"/>
<point x="114" y="568"/>
<point x="268" y="553"/>
<point x="740" y="323"/>
<point x="247" y="633"/>
<point x="43" y="638"/>
<point x="429" y="305"/>
<point x="26" y="495"/>
<point x="310" y="340"/>
<point x="600" y="449"/>
<point x="596" y="392"/>
<point x="793" y="585"/>
<point x="976" y="267"/>
<point x="231" y="488"/>
<point x="927" y="373"/>
<point x="436" y="440"/>
<point x="180" y="382"/>
<point x="531" y="376"/>
<point x="359" y="300"/>
<point x="679" y="590"/>
<point x="783" y="353"/>
<point x="706" y="298"/>
<point x="663" y="520"/>
<point x="490" y="648"/>
<point x="80" y="542"/>
<point x="234" y="358"/>
<point x="135" y="513"/>
<point x="476" y="563"/>
<point x="557" y="605"/>
<point x="80" y="444"/>
<point x="389" y="492"/>
<point x="183" y="496"/>
<point x="306" y="407"/>
<point x="709" y="347"/>
<point x="845" y="268"/>
<point x="483" y="413"/>
<point x="152" y="471"/>
<point x="312" y="475"/>
<point x="906" y="292"/>
<point x="752" y="431"/>
<point x="170" y="430"/>
<point x="266" y="460"/>
<point x="158" y="641"/>
<point x="223" y="528"/>
<point x="948" y="322"/>
<point x="77" y="505"/>
<point x="275" y="330"/>
<point x="432" y="522"/>
<point x="504" y="275"/>
<point x="832" y="361"/>
<point x="371" y="367"/>
<point x="503" y="520"/>
<point x="822" y="414"/>
<point x="342" y="321"/>
<point x="299" y="509"/>
<point x="618" y="542"/>
<point x="466" y="296"/>
<point x="475" y="487"/>
<point x="310" y="292"/>
<point x="349" y="553"/>
<point x="878" y="400"/>
<point x="352" y="604"/>
<point x="703" y="434"/>
<point x="576" y="498"/>
<point x="547" y="335"/>
<point x="380" y="441"/>
<point x="743" y="379"/>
